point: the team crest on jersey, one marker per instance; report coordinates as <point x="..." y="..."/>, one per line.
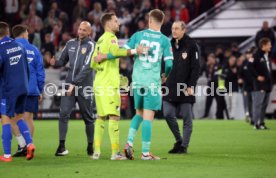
<point x="83" y="50"/>
<point x="184" y="55"/>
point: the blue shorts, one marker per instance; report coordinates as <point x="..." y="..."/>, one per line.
<point x="31" y="104"/>
<point x="13" y="105"/>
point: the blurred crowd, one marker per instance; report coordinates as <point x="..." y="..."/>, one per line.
<point x="227" y="66"/>
<point x="52" y="23"/>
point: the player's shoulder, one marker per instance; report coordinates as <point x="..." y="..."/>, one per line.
<point x="72" y="41"/>
<point x="91" y="43"/>
<point x="112" y="36"/>
<point x="17" y="44"/>
<point x="190" y="40"/>
<point x="138" y="33"/>
<point x="33" y="47"/>
<point x="165" y="39"/>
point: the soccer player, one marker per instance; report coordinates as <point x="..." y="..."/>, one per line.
<point x="147" y="81"/>
<point x="36" y="83"/>
<point x="107" y="83"/>
<point x="14" y="76"/>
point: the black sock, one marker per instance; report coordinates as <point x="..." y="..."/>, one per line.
<point x="62" y="143"/>
<point x="90" y="144"/>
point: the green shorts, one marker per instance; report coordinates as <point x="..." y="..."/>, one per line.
<point x="108" y="102"/>
<point x="145" y="98"/>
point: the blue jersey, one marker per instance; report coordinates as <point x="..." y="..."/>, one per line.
<point x="13" y="68"/>
<point x="36" y="67"/>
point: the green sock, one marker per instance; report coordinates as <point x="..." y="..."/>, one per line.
<point x="134" y="125"/>
<point x="146" y="136"/>
<point x="99" y="131"/>
<point x="113" y="130"/>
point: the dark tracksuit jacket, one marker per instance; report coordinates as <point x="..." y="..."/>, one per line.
<point x="78" y="54"/>
<point x="246" y="76"/>
<point x="259" y="67"/>
<point x="185" y="69"/>
<point x="231" y="77"/>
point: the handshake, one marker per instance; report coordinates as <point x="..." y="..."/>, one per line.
<point x="139" y="50"/>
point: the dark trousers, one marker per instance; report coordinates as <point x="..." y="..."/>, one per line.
<point x="221" y="107"/>
<point x="248" y="103"/>
<point x="260" y="102"/>
<point x="87" y="109"/>
<point x="170" y="112"/>
<point x="209" y="101"/>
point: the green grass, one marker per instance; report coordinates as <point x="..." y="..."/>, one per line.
<point x="218" y="149"/>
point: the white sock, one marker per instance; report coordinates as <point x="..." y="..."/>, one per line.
<point x="130" y="144"/>
<point x="21" y="141"/>
<point x="7" y="156"/>
<point x="145" y="153"/>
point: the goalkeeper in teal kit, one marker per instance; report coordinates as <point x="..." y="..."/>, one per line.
<point x="147" y="81"/>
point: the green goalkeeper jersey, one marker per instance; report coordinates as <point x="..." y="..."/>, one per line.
<point x="147" y="68"/>
<point x="107" y="71"/>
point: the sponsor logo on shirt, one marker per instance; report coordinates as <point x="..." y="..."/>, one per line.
<point x="30" y="52"/>
<point x="13" y="50"/>
<point x="30" y="59"/>
<point x="15" y="59"/>
<point x="72" y="49"/>
<point x="151" y="35"/>
<point x="5" y="42"/>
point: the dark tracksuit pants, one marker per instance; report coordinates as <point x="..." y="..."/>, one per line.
<point x="209" y="100"/>
<point x="221" y="107"/>
<point x="170" y="112"/>
<point x="87" y="108"/>
<point x="260" y="102"/>
<point x="248" y="104"/>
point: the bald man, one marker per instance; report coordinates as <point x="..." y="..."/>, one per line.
<point x="77" y="52"/>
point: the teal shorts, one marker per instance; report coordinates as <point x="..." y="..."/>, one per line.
<point x="145" y="98"/>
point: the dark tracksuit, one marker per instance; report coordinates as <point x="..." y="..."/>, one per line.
<point x="78" y="54"/>
<point x="185" y="71"/>
<point x="260" y="66"/>
<point x="246" y="76"/>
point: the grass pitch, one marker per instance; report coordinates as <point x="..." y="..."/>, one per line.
<point x="219" y="149"/>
